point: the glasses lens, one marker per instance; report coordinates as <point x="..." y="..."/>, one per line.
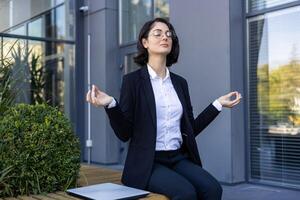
<point x="157" y="33"/>
<point x="169" y="34"/>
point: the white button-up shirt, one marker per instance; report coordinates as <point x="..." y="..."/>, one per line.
<point x="168" y="112"/>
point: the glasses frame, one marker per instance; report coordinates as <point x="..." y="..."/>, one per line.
<point x="157" y="33"/>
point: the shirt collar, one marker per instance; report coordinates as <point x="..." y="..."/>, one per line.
<point x="153" y="74"/>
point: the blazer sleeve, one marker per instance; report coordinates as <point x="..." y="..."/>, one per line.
<point x="204" y="118"/>
<point x="121" y="116"/>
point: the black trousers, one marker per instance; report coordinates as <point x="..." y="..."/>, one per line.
<point x="175" y="176"/>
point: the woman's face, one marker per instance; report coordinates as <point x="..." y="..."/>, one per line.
<point x="159" y="40"/>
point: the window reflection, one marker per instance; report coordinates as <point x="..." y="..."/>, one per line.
<point x="57" y="2"/>
<point x="161" y="8"/>
<point x="278" y="72"/>
<point x="15" y="55"/>
<point x="48" y="21"/>
<point x="134" y="13"/>
<point x="60" y="22"/>
<point x="9" y="52"/>
<point x="19" y="30"/>
<point x="35" y="28"/>
<point x="274" y="96"/>
<point x="59" y="75"/>
<point x="255" y="5"/>
<point x="130" y="65"/>
<point x="46" y="69"/>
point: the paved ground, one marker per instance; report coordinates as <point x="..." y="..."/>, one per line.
<point x="248" y="191"/>
<point x="258" y="192"/>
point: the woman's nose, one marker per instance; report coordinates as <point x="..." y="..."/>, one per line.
<point x="164" y="37"/>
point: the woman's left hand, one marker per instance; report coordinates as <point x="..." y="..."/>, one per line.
<point x="226" y="101"/>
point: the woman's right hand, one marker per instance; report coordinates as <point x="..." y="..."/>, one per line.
<point x="97" y="97"/>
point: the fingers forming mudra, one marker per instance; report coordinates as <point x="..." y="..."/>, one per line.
<point x="227" y="100"/>
<point x="98" y="98"/>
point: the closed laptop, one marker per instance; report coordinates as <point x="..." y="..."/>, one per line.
<point x="107" y="191"/>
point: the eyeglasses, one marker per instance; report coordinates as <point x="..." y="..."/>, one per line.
<point x="159" y="34"/>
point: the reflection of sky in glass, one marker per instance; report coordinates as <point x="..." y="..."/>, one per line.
<point x="281" y="38"/>
<point x="35" y="28"/>
<point x="60" y="22"/>
<point x="18" y="31"/>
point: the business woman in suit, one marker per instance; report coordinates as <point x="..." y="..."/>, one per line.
<point x="155" y="114"/>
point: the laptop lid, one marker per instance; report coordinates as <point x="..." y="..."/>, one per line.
<point x="107" y="191"/>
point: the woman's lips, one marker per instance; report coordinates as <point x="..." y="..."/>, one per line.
<point x="164" y="45"/>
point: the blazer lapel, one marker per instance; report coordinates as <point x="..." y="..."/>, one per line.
<point x="149" y="93"/>
<point x="179" y="91"/>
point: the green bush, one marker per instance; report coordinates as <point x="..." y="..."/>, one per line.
<point x="38" y="151"/>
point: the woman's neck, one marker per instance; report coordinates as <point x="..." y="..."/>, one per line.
<point x="158" y="64"/>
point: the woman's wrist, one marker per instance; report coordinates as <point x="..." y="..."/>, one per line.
<point x="217" y="104"/>
<point x="111" y="103"/>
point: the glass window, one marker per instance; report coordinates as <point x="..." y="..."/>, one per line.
<point x="161" y="8"/>
<point x="16" y="12"/>
<point x="274" y="91"/>
<point x="14" y="54"/>
<point x="133" y="14"/>
<point x="19" y="30"/>
<point x="56" y="23"/>
<point x="59" y="76"/>
<point x="7" y="51"/>
<point x="48" y="68"/>
<point x="46" y="71"/>
<point x="130" y="65"/>
<point x="57" y="2"/>
<point x="36" y="28"/>
<point x="60" y="22"/>
<point x="255" y="5"/>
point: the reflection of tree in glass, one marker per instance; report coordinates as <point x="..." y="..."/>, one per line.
<point x="279" y="92"/>
<point x="161" y="8"/>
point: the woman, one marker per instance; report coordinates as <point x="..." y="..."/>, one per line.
<point x="155" y="114"/>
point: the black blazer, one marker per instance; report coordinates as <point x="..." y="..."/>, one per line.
<point x="134" y="118"/>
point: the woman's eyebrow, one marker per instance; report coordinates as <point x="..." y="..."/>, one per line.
<point x="160" y="30"/>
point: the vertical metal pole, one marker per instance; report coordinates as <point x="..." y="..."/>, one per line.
<point x="89" y="141"/>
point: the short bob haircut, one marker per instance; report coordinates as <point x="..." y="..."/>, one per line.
<point x="142" y="55"/>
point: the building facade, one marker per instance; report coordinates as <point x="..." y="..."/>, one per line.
<point x="250" y="46"/>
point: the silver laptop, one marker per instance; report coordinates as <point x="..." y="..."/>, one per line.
<point x="107" y="191"/>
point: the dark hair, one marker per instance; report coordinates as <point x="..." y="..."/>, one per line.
<point x="142" y="55"/>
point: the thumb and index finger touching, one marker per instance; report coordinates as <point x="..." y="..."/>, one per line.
<point x="235" y="93"/>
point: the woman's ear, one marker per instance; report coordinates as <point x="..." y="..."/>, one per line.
<point x="145" y="43"/>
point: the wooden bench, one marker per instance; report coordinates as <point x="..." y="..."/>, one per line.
<point x="89" y="175"/>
